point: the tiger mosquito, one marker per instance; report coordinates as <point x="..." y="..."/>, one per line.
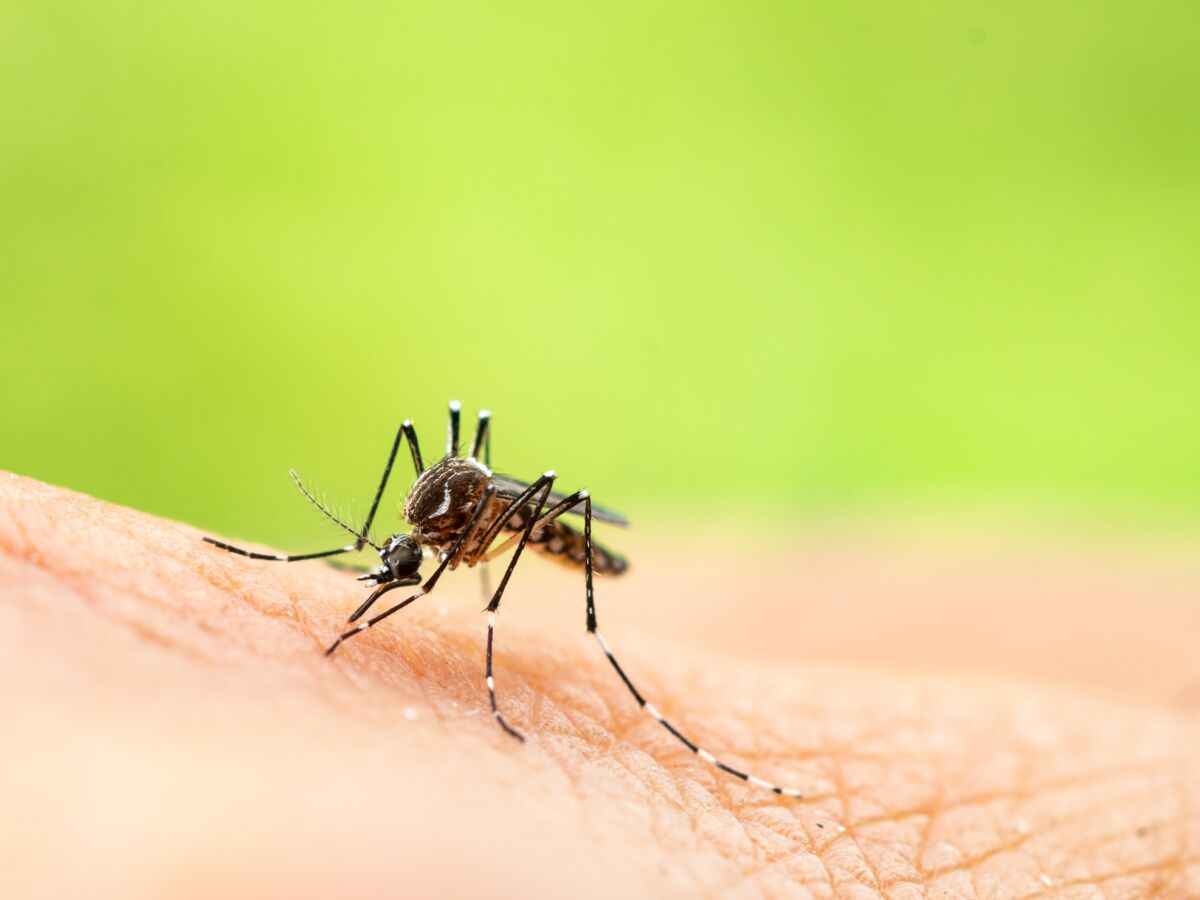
<point x="457" y="509"/>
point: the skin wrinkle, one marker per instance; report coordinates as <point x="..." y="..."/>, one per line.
<point x="1059" y="887"/>
<point x="931" y="818"/>
<point x="1179" y="860"/>
<point x="1017" y="841"/>
<point x="794" y="837"/>
<point x="972" y="864"/>
<point x="852" y="835"/>
<point x="579" y="719"/>
<point x="799" y="855"/>
<point x="1036" y="789"/>
<point x="799" y="847"/>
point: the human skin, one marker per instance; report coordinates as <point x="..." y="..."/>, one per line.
<point x="171" y="728"/>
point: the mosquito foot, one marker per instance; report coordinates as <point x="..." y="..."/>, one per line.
<point x="508" y="729"/>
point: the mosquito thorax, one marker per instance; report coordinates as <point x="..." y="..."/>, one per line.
<point x="443" y="497"/>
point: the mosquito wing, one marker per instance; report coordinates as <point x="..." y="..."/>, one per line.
<point x="511" y="488"/>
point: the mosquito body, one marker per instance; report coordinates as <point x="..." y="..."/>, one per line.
<point x="463" y="513"/>
<point x="444" y="498"/>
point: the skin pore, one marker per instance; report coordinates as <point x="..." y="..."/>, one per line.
<point x="1010" y="726"/>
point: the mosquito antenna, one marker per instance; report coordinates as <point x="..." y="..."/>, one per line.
<point x="313" y="500"/>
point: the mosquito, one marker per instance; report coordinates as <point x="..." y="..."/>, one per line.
<point x="465" y="514"/>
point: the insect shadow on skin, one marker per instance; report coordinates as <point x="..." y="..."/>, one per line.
<point x="466" y="514"/>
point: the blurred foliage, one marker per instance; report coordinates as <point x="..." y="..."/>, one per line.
<point x="779" y="255"/>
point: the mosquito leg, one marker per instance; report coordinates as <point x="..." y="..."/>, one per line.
<point x="281" y="557"/>
<point x="485" y="580"/>
<point x="483" y="438"/>
<point x="452" y="429"/>
<point x="642" y="702"/>
<point x="406" y="430"/>
<point x="567" y="503"/>
<point x="422" y="591"/>
<point x="491" y="684"/>
<point x="566" y="540"/>
<point x="516" y="505"/>
<point x="375" y="595"/>
<point x="545" y="483"/>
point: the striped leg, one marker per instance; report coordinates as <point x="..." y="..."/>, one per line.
<point x="567" y="503"/>
<point x="452" y="429"/>
<point x="545" y="483"/>
<point x="483" y="441"/>
<point x="483" y="438"/>
<point x="650" y="707"/>
<point x="406" y="431"/>
<point x="421" y="592"/>
<point x="491" y="683"/>
<point x="360" y="539"/>
<point x="485" y="581"/>
<point x="514" y="507"/>
<point x="281" y="557"/>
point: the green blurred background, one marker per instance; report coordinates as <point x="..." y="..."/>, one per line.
<point x="768" y="257"/>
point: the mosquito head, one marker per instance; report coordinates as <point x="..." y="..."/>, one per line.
<point x="402" y="557"/>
